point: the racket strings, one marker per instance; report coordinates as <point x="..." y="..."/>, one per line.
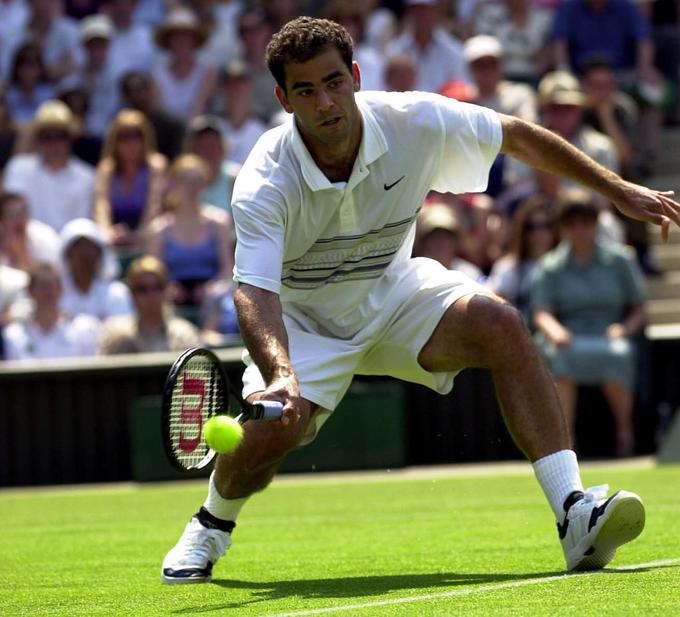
<point x="197" y="395"/>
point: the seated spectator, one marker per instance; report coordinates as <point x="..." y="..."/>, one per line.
<point x="13" y="17"/>
<point x="132" y="47"/>
<point x="95" y="76"/>
<point x="86" y="146"/>
<point x="352" y="15"/>
<point x="29" y="86"/>
<point x="192" y="240"/>
<point x="129" y="181"/>
<point x="55" y="34"/>
<point x="56" y="185"/>
<point x="138" y="93"/>
<point x="438" y="237"/>
<point x="254" y="31"/>
<point x="484" y="55"/>
<point x="24" y="241"/>
<point x="185" y="82"/>
<point x="13" y="284"/>
<point x="240" y="127"/>
<point x="534" y="233"/>
<point x="588" y="302"/>
<point x="615" y="31"/>
<point x="522" y="29"/>
<point x="9" y="133"/>
<point x="48" y="332"/>
<point x="562" y="105"/>
<point x="205" y="139"/>
<point x="222" y="44"/>
<point x="437" y="54"/>
<point x="152" y="327"/>
<point x="218" y="318"/>
<point x="401" y="73"/>
<point x="89" y="267"/>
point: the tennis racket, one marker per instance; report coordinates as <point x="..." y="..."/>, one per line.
<point x="196" y="389"/>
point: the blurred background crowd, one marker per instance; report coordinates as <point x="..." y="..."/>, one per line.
<point x="123" y="124"/>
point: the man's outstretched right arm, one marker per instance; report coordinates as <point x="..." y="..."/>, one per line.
<point x="260" y="320"/>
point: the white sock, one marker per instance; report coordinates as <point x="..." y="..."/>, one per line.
<point x="218" y="506"/>
<point x="559" y="476"/>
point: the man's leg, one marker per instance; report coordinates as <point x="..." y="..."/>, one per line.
<point x="485" y="332"/>
<point x="236" y="476"/>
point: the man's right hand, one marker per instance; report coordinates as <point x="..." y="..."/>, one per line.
<point x="287" y="391"/>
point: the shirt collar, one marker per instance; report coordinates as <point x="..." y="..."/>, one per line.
<point x="373" y="145"/>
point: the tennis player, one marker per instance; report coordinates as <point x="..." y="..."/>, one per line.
<point x="324" y="210"/>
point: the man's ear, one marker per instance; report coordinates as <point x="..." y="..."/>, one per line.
<point x="283" y="99"/>
<point x="356" y="77"/>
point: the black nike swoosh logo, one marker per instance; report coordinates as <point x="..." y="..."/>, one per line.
<point x="387" y="187"/>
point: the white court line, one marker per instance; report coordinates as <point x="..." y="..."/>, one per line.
<point x="471" y="590"/>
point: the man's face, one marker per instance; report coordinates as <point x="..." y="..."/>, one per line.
<point x="486" y="72"/>
<point x="46" y="290"/>
<point x="14" y="218"/>
<point x="54" y="144"/>
<point x="97" y="50"/>
<point x="320" y="92"/>
<point x="148" y="293"/>
<point x="85" y="256"/>
<point x="565" y="120"/>
<point x="599" y="85"/>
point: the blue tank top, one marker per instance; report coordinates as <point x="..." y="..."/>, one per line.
<point x="128" y="207"/>
<point x="194" y="263"/>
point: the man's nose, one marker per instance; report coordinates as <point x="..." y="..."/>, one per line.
<point x="323" y="99"/>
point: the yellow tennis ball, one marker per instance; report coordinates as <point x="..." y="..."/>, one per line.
<point x="222" y="433"/>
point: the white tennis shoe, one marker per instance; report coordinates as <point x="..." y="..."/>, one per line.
<point x="191" y="560"/>
<point x="594" y="527"/>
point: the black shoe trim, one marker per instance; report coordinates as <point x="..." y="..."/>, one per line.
<point x="189" y="572"/>
<point x="573" y="497"/>
<point x="599" y="511"/>
<point x="212" y="522"/>
<point x="590" y="551"/>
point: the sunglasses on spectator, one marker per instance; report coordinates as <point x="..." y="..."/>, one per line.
<point x="144" y="289"/>
<point x="53" y="136"/>
<point x="539" y="226"/>
<point x="129" y="135"/>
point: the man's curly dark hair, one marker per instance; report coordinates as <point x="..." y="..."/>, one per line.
<point x="304" y="38"/>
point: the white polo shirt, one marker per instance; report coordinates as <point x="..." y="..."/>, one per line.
<point x="324" y="247"/>
<point x="53" y="197"/>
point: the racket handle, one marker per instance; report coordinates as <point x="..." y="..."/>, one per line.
<point x="267" y="410"/>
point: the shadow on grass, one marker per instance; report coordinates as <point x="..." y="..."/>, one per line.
<point x="351" y="587"/>
<point x="366" y="586"/>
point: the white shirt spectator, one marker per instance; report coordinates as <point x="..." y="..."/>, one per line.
<point x="12" y="284"/>
<point x="24" y="340"/>
<point x="44" y="243"/>
<point x="54" y="197"/>
<point x="104" y="299"/>
<point x="13" y="18"/>
<point x="372" y="66"/>
<point x="242" y="139"/>
<point x="442" y="61"/>
<point x="132" y="49"/>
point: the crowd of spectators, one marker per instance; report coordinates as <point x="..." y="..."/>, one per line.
<point x="123" y="125"/>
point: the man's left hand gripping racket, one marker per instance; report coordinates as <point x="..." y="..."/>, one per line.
<point x="196" y="389"/>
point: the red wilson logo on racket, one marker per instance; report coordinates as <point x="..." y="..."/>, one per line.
<point x="191" y="416"/>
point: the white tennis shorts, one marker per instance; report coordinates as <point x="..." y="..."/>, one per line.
<point x="325" y="365"/>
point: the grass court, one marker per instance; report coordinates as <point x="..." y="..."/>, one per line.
<point x="471" y="540"/>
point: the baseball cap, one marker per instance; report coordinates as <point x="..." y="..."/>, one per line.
<point x="560" y="88"/>
<point x="96" y="27"/>
<point x="437" y="216"/>
<point x="482" y="46"/>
